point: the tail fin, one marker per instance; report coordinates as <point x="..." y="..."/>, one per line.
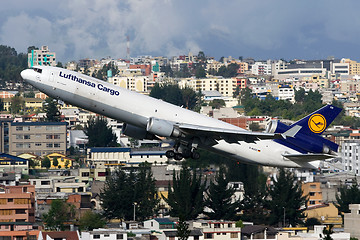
<point x="318" y="121"/>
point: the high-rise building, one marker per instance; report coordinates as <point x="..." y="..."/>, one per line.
<point x="41" y="57"/>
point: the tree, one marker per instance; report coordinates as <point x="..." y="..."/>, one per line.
<point x="67" y="163"/>
<point x="327" y="231"/>
<point x="186" y="198"/>
<point x="51" y="109"/>
<point x="122" y="192"/>
<point x="145" y="193"/>
<point x="17" y="104"/>
<point x="99" y="134"/>
<point x="59" y="213"/>
<point x="348" y="195"/>
<point x="91" y="220"/>
<point x="200" y="72"/>
<point x="46" y="163"/>
<point x="55" y="162"/>
<point x="253" y="204"/>
<point x="172" y="93"/>
<point x="183" y="231"/>
<point x="220" y="198"/>
<point x="287" y="200"/>
<point x="217" y="103"/>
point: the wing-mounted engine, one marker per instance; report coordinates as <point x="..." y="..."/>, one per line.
<point x="162" y="128"/>
<point x="136" y="132"/>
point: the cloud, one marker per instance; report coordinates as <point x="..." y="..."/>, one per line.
<point x="98" y="28"/>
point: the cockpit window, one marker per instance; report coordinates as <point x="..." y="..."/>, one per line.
<point x="39" y="70"/>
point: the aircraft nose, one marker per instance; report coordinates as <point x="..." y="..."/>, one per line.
<point x="26" y="74"/>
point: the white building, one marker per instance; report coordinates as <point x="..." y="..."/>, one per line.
<point x="260" y="68"/>
<point x="104" y="234"/>
<point x="284" y="92"/>
<point x="217" y="230"/>
<point x="350" y="156"/>
<point x="41" y="57"/>
<point x="133" y="83"/>
<point x="113" y="157"/>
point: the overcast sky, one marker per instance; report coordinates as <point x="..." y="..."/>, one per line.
<point x="306" y="29"/>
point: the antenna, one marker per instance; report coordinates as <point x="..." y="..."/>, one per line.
<point x="127" y="47"/>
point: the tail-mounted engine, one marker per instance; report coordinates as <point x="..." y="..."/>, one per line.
<point x="310" y="143"/>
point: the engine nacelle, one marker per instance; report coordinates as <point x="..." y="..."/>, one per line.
<point x="275" y="126"/>
<point x="162" y="128"/>
<point x="136" y="132"/>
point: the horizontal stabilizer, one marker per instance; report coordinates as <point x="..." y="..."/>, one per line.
<point x="308" y="157"/>
<point x="291" y="132"/>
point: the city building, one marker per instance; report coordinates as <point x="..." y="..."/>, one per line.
<point x="17" y="204"/>
<point x="39" y="138"/>
<point x="62" y="160"/>
<point x="217" y="230"/>
<point x="352" y="221"/>
<point x="93" y="174"/>
<point x="14" y="164"/>
<point x="59" y="235"/>
<point x="105" y="234"/>
<point x="350" y="156"/>
<point x="260" y="68"/>
<point x="41" y="57"/>
<point x="313" y="190"/>
<point x="133" y="83"/>
<point x="7" y="94"/>
<point x="113" y="157"/>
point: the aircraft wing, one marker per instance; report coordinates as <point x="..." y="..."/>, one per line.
<point x="308" y="157"/>
<point x="228" y="135"/>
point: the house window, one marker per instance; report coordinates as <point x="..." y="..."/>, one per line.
<point x="209" y="236"/>
<point x="97" y="236"/>
<point x="119" y="236"/>
<point x="312" y="194"/>
<point x="234" y="235"/>
<point x="20" y="211"/>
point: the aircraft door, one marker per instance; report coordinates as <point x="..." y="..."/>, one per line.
<point x="51" y="77"/>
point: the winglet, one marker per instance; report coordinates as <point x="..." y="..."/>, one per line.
<point x="291" y="132"/>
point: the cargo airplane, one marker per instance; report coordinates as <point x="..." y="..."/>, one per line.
<point x="299" y="145"/>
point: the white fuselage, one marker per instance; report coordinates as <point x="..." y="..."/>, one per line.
<point x="136" y="109"/>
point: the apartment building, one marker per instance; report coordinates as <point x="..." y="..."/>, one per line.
<point x="218" y="230"/>
<point x="313" y="190"/>
<point x="133" y="83"/>
<point x="13" y="164"/>
<point x="350" y="156"/>
<point x="260" y="68"/>
<point x="17" y="203"/>
<point x="7" y="94"/>
<point x="113" y="157"/>
<point x="40" y="138"/>
<point x="40" y="57"/>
